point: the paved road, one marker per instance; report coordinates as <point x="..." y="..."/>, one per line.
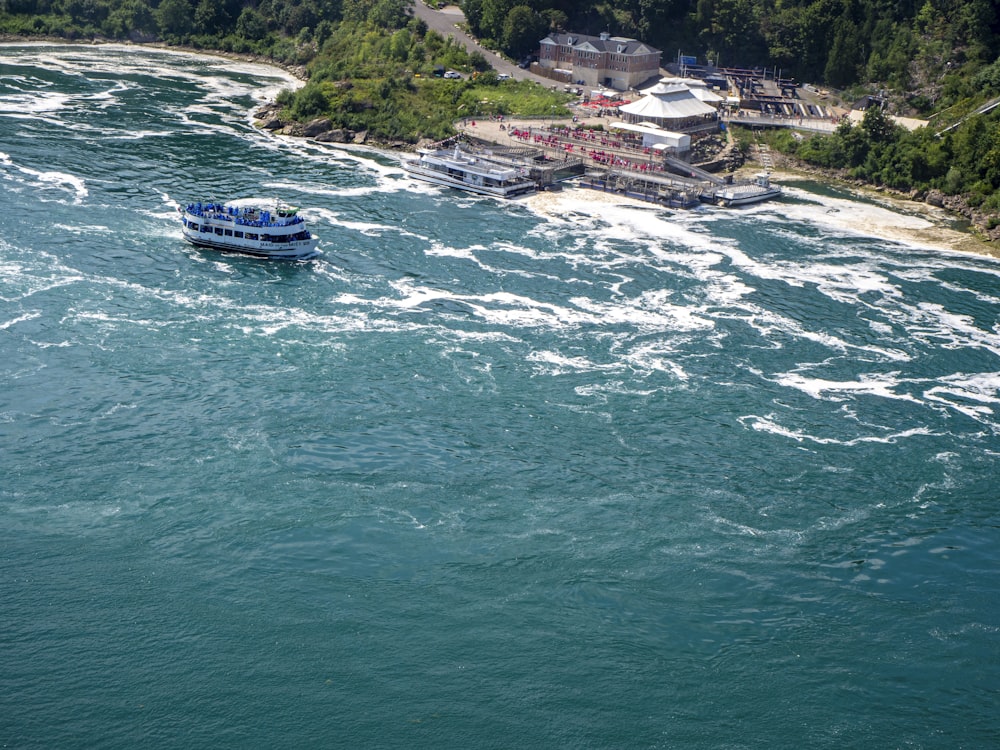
<point x="446" y="22"/>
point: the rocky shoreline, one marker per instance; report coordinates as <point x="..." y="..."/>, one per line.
<point x="268" y="117"/>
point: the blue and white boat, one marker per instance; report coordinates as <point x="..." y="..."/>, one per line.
<point x="264" y="227"/>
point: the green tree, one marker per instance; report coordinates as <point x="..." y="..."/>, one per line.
<point x="174" y="18"/>
<point x="86" y="11"/>
<point x="494" y="14"/>
<point x="210" y="17"/>
<point x="310" y="102"/>
<point x="399" y="45"/>
<point x="389" y="14"/>
<point x="473" y="12"/>
<point x="845" y="52"/>
<point x="878" y="126"/>
<point x="522" y="30"/>
<point x="132" y="20"/>
<point x="250" y="25"/>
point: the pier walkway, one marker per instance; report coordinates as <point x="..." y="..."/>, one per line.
<point x="751" y="119"/>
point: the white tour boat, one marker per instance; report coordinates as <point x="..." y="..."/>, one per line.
<point x="470" y="172"/>
<point x="265" y="227"/>
<point x="759" y="190"/>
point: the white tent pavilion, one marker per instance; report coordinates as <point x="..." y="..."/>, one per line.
<point x="674" y="107"/>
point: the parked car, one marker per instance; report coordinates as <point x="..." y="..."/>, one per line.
<point x="452" y="74"/>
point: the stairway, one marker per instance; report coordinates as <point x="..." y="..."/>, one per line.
<point x="763" y="154"/>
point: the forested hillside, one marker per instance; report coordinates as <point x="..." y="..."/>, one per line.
<point x="927" y="48"/>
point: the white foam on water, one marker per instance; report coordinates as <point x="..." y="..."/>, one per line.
<point x="934" y="326"/>
<point x="336" y="192"/>
<point x="622" y="233"/>
<point x="770" y="424"/>
<point x="369" y="159"/>
<point x="978" y="294"/>
<point x="556" y="363"/>
<point x="21" y="281"/>
<point x="851" y="218"/>
<point x="654" y="357"/>
<point x="84" y="228"/>
<point x="441" y="250"/>
<point x="622" y="219"/>
<point x="838" y="281"/>
<point x="29" y="105"/>
<point x="316" y="215"/>
<point x="974" y="395"/>
<point x="645" y="313"/>
<point x="40" y="179"/>
<point x="4" y="325"/>
<point x="649" y="312"/>
<point x="867" y="384"/>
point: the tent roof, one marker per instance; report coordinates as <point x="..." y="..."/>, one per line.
<point x="674" y="105"/>
<point x="696" y="87"/>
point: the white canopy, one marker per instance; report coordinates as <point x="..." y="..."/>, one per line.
<point x="696" y="87"/>
<point x="656" y="137"/>
<point x="676" y="104"/>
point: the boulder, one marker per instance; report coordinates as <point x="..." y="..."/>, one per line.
<point x="935" y="198"/>
<point x="317" y="126"/>
<point x="339" y="135"/>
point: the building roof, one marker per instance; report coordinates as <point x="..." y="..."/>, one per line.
<point x="698" y="88"/>
<point x="616" y="45"/>
<point x="676" y="104"/>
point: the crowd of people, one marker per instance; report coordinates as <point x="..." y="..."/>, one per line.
<point x="623" y="151"/>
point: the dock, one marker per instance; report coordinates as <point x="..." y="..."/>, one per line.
<point x="664" y="190"/>
<point x="608" y="162"/>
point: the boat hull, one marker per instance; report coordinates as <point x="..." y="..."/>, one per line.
<point x="304" y="251"/>
<point x="473" y="173"/>
<point x="429" y="175"/>
<point x="732" y="201"/>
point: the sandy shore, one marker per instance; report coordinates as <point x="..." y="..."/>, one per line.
<point x="894" y="218"/>
<point x="891" y="218"/>
<point x="905" y="222"/>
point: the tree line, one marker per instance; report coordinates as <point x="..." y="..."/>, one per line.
<point x="925" y="48"/>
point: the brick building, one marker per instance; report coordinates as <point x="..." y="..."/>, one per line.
<point x="605" y="60"/>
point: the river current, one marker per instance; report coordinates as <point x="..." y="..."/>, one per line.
<point x="562" y="472"/>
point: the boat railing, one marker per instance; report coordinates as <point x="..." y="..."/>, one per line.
<point x="239" y="217"/>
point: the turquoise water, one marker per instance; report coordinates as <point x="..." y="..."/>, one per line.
<point x="562" y="472"/>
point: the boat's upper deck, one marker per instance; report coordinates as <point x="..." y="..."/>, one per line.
<point x="247" y="212"/>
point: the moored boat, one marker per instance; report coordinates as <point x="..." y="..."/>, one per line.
<point x="470" y="172"/>
<point x="759" y="190"/>
<point x="264" y="227"/>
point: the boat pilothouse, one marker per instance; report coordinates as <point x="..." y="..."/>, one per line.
<point x="470" y="172"/>
<point x="264" y="227"/>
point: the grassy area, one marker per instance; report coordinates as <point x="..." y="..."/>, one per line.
<point x="415" y="107"/>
